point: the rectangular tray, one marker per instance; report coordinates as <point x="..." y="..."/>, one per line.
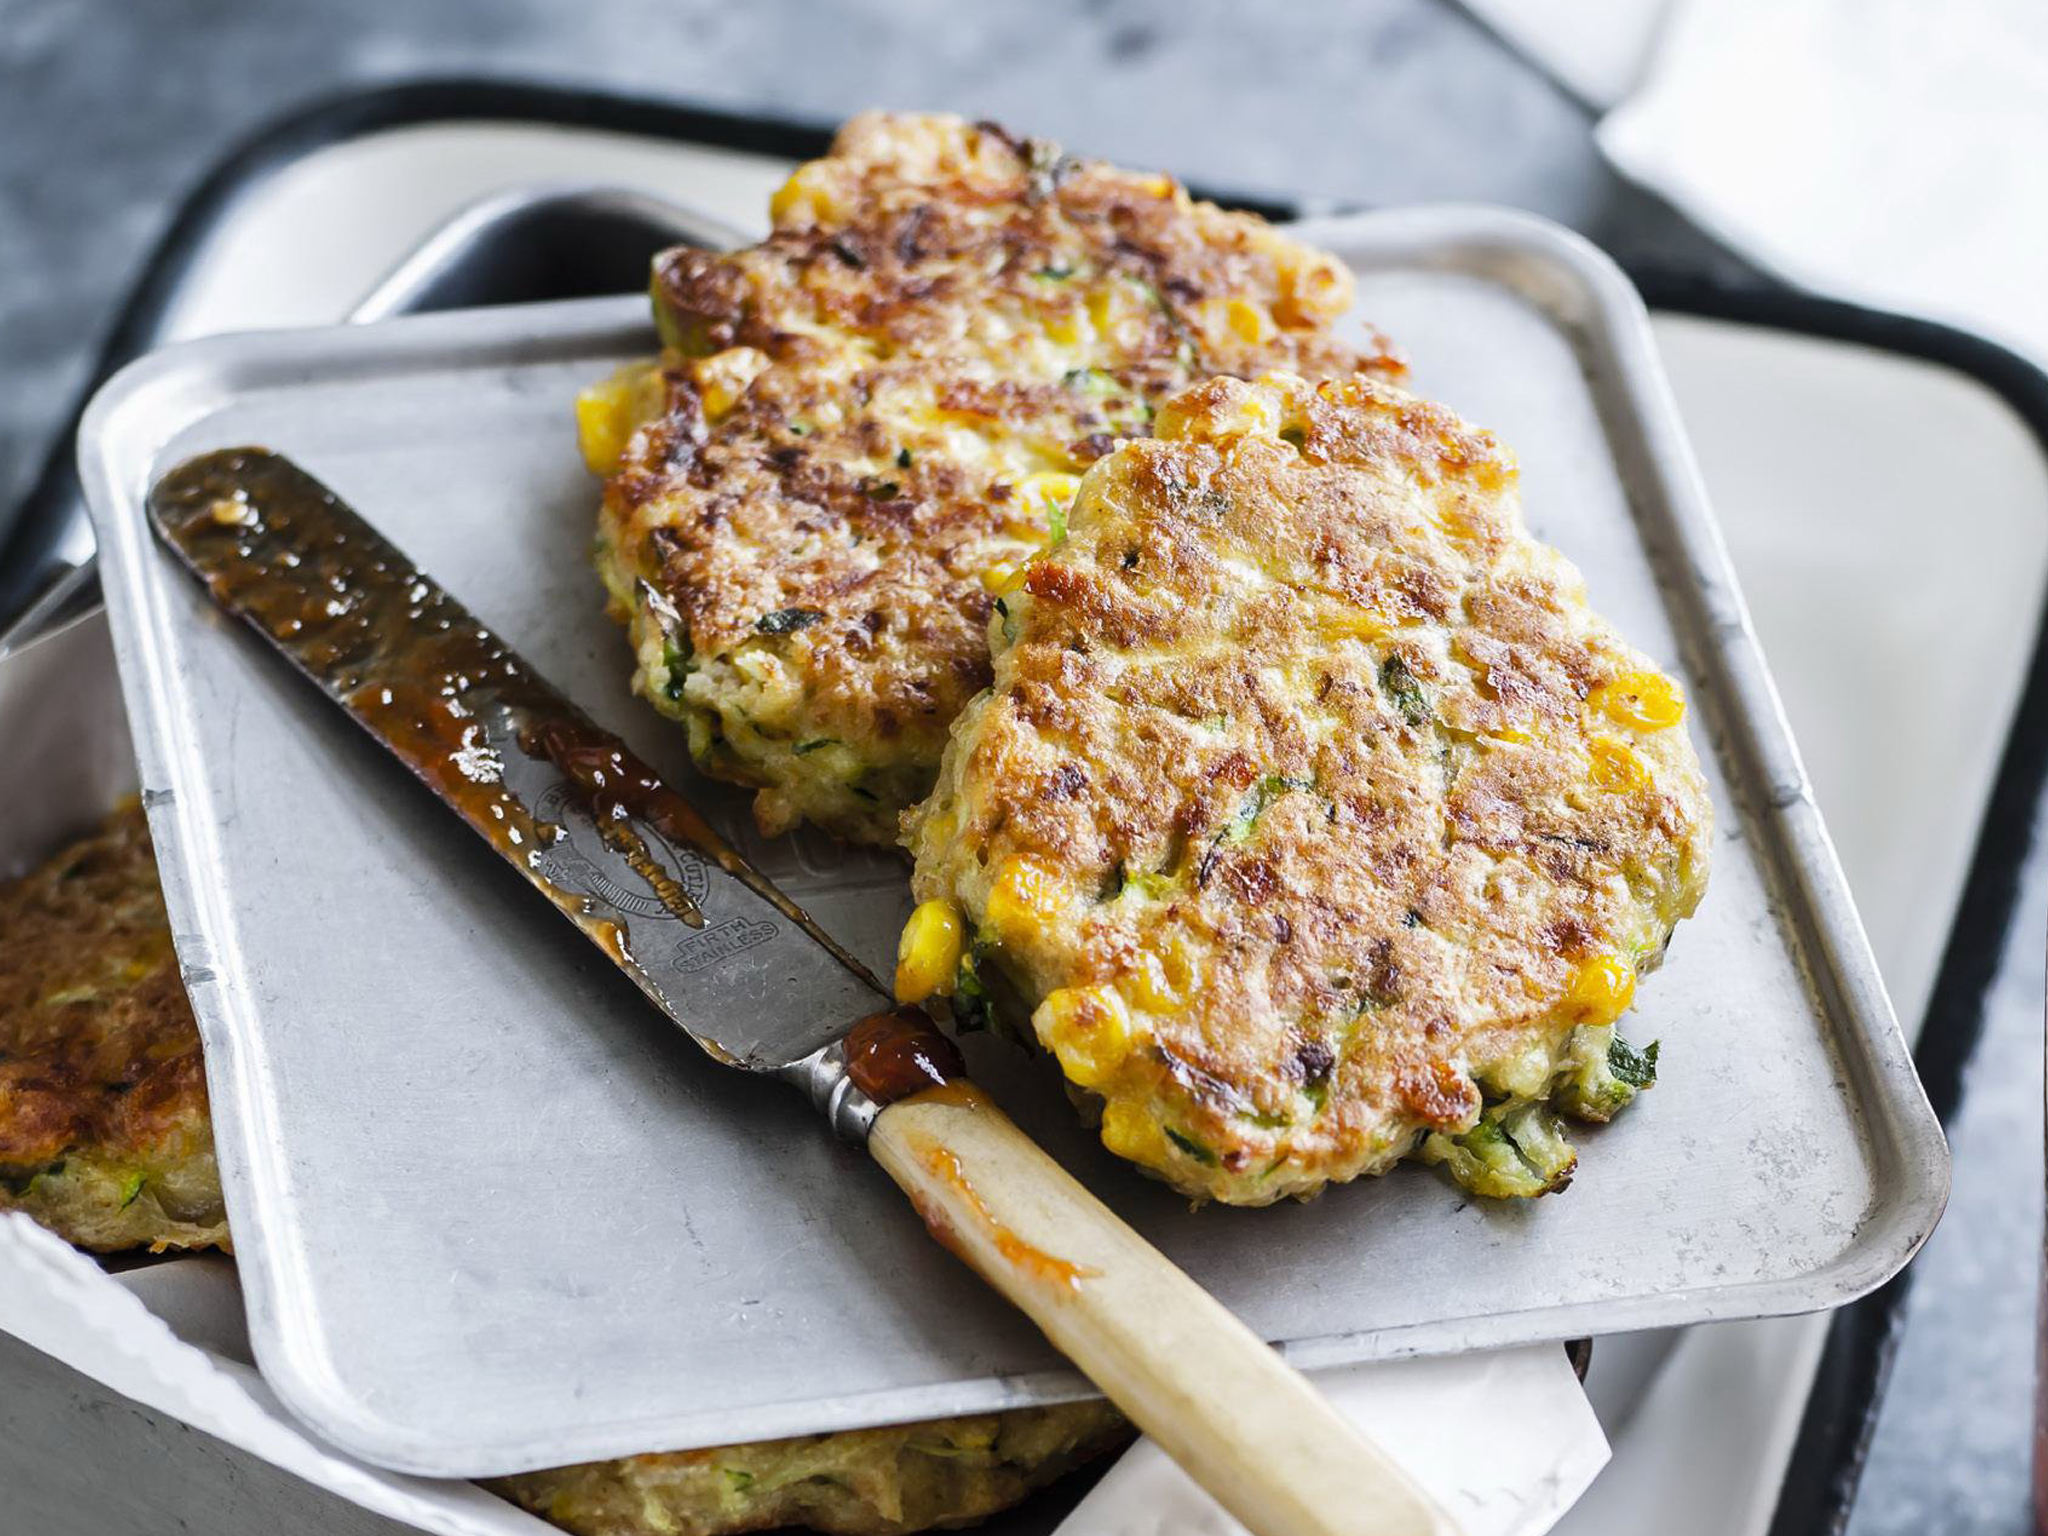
<point x="493" y="1213"/>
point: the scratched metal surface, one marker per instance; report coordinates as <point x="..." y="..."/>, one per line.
<point x="491" y="1212"/>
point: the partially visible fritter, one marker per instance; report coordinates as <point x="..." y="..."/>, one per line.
<point x="1313" y="816"/>
<point x="864" y="424"/>
<point x="104" y="1135"/>
<point x="865" y="1482"/>
<point x="105" y="1139"/>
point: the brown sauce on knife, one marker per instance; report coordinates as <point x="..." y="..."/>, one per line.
<point x="890" y="1056"/>
<point x="901" y="1055"/>
<point x="416" y="668"/>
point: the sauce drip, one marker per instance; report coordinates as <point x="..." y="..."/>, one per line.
<point x="890" y="1056"/>
<point x="439" y="689"/>
<point x="1019" y="1254"/>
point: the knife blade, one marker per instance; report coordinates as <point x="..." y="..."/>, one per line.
<point x="751" y="978"/>
<point x="564" y="801"/>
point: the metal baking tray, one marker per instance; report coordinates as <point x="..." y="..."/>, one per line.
<point x="492" y="1214"/>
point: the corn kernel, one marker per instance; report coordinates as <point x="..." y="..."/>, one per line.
<point x="1355" y="624"/>
<point x="1128" y="1131"/>
<point x="1089" y="1029"/>
<point x="1064" y="328"/>
<point x="1114" y="307"/>
<point x="1248" y="322"/>
<point x="786" y="198"/>
<point x="928" y="953"/>
<point x="1645" y="701"/>
<point x="1615" y="766"/>
<point x="1451" y="518"/>
<point x="1353" y="391"/>
<point x="1025" y="897"/>
<point x="609" y="413"/>
<point x="1601" y="991"/>
<point x="1257" y="414"/>
<point x="999" y="577"/>
<point x="803" y="199"/>
<point x="1158" y="983"/>
<point x="724" y="376"/>
<point x="1317" y="290"/>
<point x="600" y="426"/>
<point x="1046" y="492"/>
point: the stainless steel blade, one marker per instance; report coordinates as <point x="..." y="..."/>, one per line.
<point x="716" y="947"/>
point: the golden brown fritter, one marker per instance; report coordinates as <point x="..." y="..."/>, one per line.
<point x="863" y="1482"/>
<point x="1312" y="812"/>
<point x="863" y="424"/>
<point x="105" y="1139"/>
<point x="104" y="1135"/>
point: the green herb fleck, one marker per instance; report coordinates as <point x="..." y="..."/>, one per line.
<point x="1009" y="622"/>
<point x="1516" y="1151"/>
<point x="19" y="1181"/>
<point x="805" y="748"/>
<point x="738" y="1478"/>
<point x="1606" y="1076"/>
<point x="1090" y="381"/>
<point x="1152" y="886"/>
<point x="1404" y="692"/>
<point x="675" y="659"/>
<point x="1054" y="274"/>
<point x="883" y="490"/>
<point x="971" y="1005"/>
<point x="903" y="458"/>
<point x="784" y="620"/>
<point x="1192" y="1147"/>
<point x="1636" y="1068"/>
<point x="1258" y="800"/>
<point x="131" y="1189"/>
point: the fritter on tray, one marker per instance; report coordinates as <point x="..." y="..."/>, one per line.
<point x="104" y="1135"/>
<point x="1313" y="817"/>
<point x="863" y="425"/>
<point x="862" y="1482"/>
<point x="105" y="1139"/>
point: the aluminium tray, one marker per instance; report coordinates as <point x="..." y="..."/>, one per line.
<point x="491" y="1214"/>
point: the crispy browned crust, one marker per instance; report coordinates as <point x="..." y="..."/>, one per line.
<point x="856" y="409"/>
<point x="104" y="1134"/>
<point x="1295" y="812"/>
<point x="864" y="1482"/>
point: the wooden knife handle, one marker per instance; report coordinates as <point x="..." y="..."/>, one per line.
<point x="1242" y="1422"/>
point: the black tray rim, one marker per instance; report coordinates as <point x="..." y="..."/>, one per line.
<point x="1842" y="1410"/>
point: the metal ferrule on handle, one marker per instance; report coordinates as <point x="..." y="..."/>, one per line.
<point x="823" y="1077"/>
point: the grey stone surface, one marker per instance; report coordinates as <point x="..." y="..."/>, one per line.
<point x="1950" y="1454"/>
